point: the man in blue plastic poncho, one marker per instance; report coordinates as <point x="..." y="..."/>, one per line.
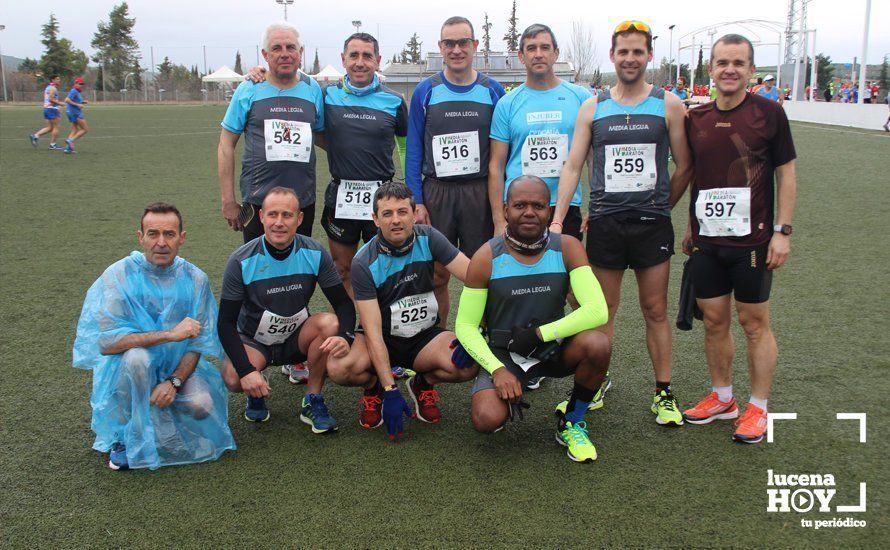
<point x="147" y="327"/>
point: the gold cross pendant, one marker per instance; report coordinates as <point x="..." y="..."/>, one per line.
<point x="627" y="118"/>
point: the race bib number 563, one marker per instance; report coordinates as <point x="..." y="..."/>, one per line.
<point x="287" y="140"/>
<point x="544" y="154"/>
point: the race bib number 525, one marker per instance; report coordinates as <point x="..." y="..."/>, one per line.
<point x="287" y="140"/>
<point x="413" y="314"/>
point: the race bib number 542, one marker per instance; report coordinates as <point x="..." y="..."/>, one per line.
<point x="287" y="140"/>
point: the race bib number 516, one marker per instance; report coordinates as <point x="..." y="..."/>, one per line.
<point x="456" y="154"/>
<point x="287" y="140"/>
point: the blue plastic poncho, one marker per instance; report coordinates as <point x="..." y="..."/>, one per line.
<point x="134" y="296"/>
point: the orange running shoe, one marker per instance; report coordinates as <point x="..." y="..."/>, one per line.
<point x="710" y="409"/>
<point x="371" y="414"/>
<point x="751" y="427"/>
<point x="425" y="398"/>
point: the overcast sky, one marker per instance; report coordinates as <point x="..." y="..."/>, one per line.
<point x="180" y="28"/>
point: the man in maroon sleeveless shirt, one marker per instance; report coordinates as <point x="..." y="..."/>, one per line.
<point x="744" y="161"/>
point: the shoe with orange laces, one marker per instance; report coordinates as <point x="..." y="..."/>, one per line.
<point x="371" y="403"/>
<point x="751" y="427"/>
<point x="710" y="409"/>
<point x="425" y="398"/>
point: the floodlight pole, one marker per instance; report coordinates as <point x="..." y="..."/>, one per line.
<point x="3" y="69"/>
<point x="285" y="3"/>
<point x="671" y="54"/>
<point x="864" y="65"/>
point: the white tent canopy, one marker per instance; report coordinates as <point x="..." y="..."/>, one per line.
<point x="223" y="74"/>
<point x="328" y="74"/>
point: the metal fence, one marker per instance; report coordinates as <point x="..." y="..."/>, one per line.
<point x="215" y="95"/>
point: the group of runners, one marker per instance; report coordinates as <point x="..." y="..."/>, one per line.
<point x="492" y="197"/>
<point x="52" y="113"/>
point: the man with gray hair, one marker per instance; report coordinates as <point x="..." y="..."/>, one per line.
<point x="282" y="118"/>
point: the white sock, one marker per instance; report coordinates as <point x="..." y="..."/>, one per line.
<point x="724" y="393"/>
<point x="758" y="402"/>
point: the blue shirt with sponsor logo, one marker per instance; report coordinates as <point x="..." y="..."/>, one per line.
<point x="251" y="107"/>
<point x="536" y="119"/>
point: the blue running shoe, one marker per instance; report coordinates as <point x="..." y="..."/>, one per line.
<point x="117" y="458"/>
<point x="34" y="140"/>
<point x="55" y="147"/>
<point x="315" y="413"/>
<point x="256" y="410"/>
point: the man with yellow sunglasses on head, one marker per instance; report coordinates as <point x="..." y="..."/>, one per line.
<point x="630" y="131"/>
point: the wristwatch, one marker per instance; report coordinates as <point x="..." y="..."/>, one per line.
<point x="390" y="387"/>
<point x="176" y="381"/>
<point x="784" y="228"/>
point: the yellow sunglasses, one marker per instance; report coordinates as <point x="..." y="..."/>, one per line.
<point x="632" y="24"/>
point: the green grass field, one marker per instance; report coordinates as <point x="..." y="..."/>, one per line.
<point x="65" y="218"/>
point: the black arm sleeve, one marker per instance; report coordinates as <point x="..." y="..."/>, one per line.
<point x="343" y="308"/>
<point x="227" y="327"/>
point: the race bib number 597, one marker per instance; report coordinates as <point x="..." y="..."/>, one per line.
<point x="724" y="212"/>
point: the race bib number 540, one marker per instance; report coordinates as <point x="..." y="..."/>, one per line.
<point x="287" y="140"/>
<point x="275" y="329"/>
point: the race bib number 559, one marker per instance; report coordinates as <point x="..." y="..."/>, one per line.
<point x="287" y="140"/>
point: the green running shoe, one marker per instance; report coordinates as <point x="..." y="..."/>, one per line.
<point x="666" y="409"/>
<point x="597" y="402"/>
<point x="574" y="436"/>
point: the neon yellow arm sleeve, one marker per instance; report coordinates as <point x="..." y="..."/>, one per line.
<point x="401" y="144"/>
<point x="466" y="327"/>
<point x="592" y="313"/>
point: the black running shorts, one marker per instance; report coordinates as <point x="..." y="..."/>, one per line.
<point x="634" y="240"/>
<point x="719" y="270"/>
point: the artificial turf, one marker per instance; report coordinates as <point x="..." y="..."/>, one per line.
<point x="67" y="217"/>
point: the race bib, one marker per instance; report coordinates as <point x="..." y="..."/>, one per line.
<point x="413" y="314"/>
<point x="724" y="212"/>
<point x="275" y="329"/>
<point x="355" y="199"/>
<point x="288" y="140"/>
<point x="544" y="154"/>
<point x="630" y="167"/>
<point x="456" y="154"/>
<point x="524" y="363"/>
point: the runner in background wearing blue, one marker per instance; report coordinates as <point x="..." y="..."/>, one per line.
<point x="74" y="111"/>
